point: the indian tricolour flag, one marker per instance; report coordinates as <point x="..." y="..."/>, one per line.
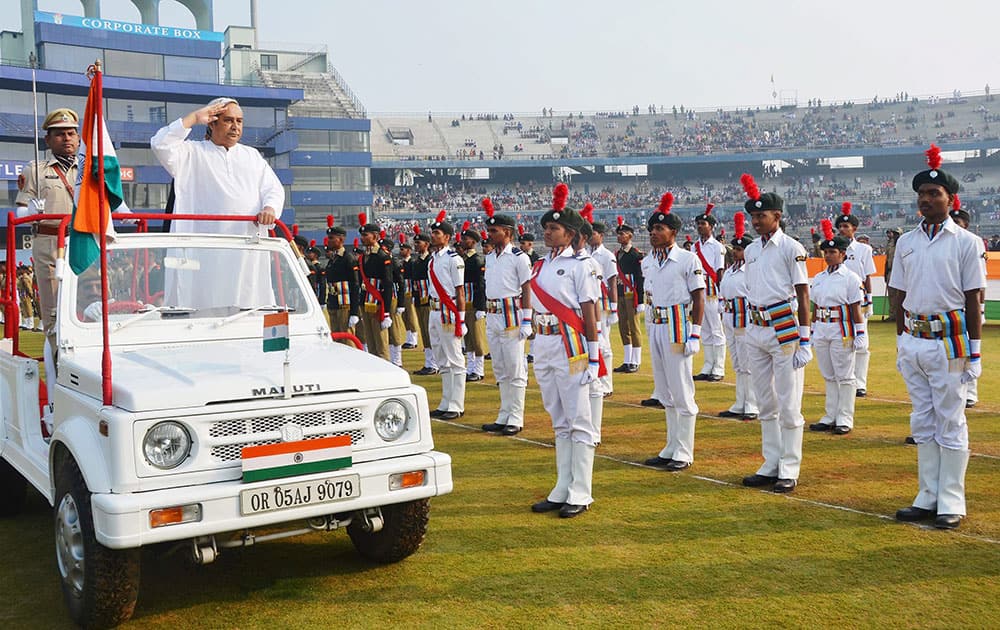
<point x="100" y="190"/>
<point x="272" y="461"/>
<point x="276" y="332"/>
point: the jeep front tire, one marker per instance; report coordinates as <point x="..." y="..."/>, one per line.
<point x="403" y="529"/>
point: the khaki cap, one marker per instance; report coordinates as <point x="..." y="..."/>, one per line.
<point x="61" y="118"/>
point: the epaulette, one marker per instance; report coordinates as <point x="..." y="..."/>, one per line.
<point x="452" y="252"/>
<point x="517" y="251"/>
<point x="581" y="255"/>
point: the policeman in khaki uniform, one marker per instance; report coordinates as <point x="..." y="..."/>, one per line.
<point x="342" y="295"/>
<point x="938" y="270"/>
<point x="48" y="188"/>
<point x="777" y="339"/>
<point x="377" y="288"/>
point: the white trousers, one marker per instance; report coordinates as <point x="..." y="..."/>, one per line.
<point x="861" y="360"/>
<point x="713" y="339"/>
<point x="448" y="355"/>
<point x="937" y="394"/>
<point x="746" y="399"/>
<point x="564" y="398"/>
<point x="836" y="364"/>
<point x="780" y="415"/>
<point x="509" y="369"/>
<point x="672" y="374"/>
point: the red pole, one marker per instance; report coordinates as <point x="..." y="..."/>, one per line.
<point x="102" y="201"/>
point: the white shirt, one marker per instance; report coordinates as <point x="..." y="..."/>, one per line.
<point x="841" y="287"/>
<point x="775" y="269"/>
<point x="606" y="261"/>
<point x="209" y="179"/>
<point x="859" y="259"/>
<point x="506" y="271"/>
<point x="673" y="281"/>
<point x="569" y="279"/>
<point x="449" y="268"/>
<point x="734" y="282"/>
<point x="936" y="273"/>
<point x="714" y="253"/>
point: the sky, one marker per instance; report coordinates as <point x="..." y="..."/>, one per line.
<point x="469" y="56"/>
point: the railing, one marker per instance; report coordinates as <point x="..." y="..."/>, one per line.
<point x="355" y="100"/>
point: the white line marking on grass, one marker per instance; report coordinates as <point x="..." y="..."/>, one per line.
<point x="722" y="482"/>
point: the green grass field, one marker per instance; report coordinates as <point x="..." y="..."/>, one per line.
<point x="656" y="549"/>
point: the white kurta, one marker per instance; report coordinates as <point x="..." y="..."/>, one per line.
<point x="210" y="179"/>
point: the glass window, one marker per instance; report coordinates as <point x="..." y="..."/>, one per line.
<point x="18" y="150"/>
<point x="313" y="140"/>
<point x="12" y="102"/>
<point x="314" y="217"/>
<point x="54" y="101"/>
<point x="190" y="69"/>
<point x="134" y="111"/>
<point x="335" y="178"/>
<point x="349" y="178"/>
<point x="268" y="62"/>
<point x="353" y="141"/>
<point x="120" y="63"/>
<point x="69" y="58"/>
<point x="258" y="117"/>
<point x="310" y="178"/>
<point x="145" y="196"/>
<point x="137" y="157"/>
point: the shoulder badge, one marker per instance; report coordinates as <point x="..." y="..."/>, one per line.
<point x="697" y="272"/>
<point x="985" y="256"/>
<point x="800" y="259"/>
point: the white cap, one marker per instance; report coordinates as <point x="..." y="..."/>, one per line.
<point x="222" y="101"/>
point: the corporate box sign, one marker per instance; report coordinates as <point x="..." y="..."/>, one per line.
<point x="103" y="24"/>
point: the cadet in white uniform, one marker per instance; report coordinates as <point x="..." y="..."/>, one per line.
<point x="861" y="261"/>
<point x="598" y="389"/>
<point x="508" y="319"/>
<point x="963" y="219"/>
<point x="777" y="338"/>
<point x="938" y="271"/>
<point x="711" y="255"/>
<point x="675" y="279"/>
<point x="838" y="332"/>
<point x="565" y="292"/>
<point x="608" y="307"/>
<point x="447" y="318"/>
<point x="735" y="316"/>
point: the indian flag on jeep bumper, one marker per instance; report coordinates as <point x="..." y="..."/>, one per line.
<point x="272" y="461"/>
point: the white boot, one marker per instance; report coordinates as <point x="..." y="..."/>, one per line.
<point x="446" y="387"/>
<point x="951" y="481"/>
<point x="845" y="404"/>
<point x="928" y="474"/>
<point x="396" y="355"/>
<point x="719" y="360"/>
<point x="627" y="355"/>
<point x="582" y="470"/>
<point x="564" y="472"/>
<point x="791" y="453"/>
<point x="503" y="416"/>
<point x="481" y="365"/>
<point x="708" y="353"/>
<point x="516" y="417"/>
<point x="740" y="405"/>
<point x="411" y="338"/>
<point x="861" y="358"/>
<point x="636" y="356"/>
<point x="597" y="413"/>
<point x="670" y="449"/>
<point x="830" y="404"/>
<point x="458" y="392"/>
<point x="770" y="447"/>
<point x="684" y="429"/>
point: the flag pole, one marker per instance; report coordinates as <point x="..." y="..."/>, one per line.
<point x="34" y="96"/>
<point x="102" y="199"/>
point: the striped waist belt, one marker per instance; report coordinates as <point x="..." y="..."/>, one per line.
<point x="503" y="305"/>
<point x="767" y="315"/>
<point x="546" y="324"/>
<point x="948" y="327"/>
<point x="435" y="304"/>
<point x="828" y="315"/>
<point x="667" y="314"/>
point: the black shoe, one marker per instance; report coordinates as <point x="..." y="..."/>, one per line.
<point x="861" y="393"/>
<point x="632" y="368"/>
<point x="913" y="514"/>
<point x="621" y="369"/>
<point x="748" y="416"/>
<point x="493" y="427"/>
<point x="472" y="378"/>
<point x="819" y="426"/>
<point x="569" y="510"/>
<point x="409" y="346"/>
<point x="608" y="394"/>
<point x="652" y="402"/>
<point x="530" y="359"/>
<point x="784" y="485"/>
<point x="729" y="414"/>
<point x="841" y="430"/>
<point x="909" y="440"/>
<point x="713" y="378"/>
<point x="658" y="462"/>
<point x="426" y="371"/>
<point x="487" y="357"/>
<point x="546" y="506"/>
<point x="969" y="404"/>
<point x="676" y="466"/>
<point x="943" y="521"/>
<point x="450" y="415"/>
<point x="437" y="413"/>
<point x="701" y="377"/>
<point x="756" y="481"/>
<point x="510" y="429"/>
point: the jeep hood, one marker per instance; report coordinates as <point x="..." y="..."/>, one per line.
<point x="195" y="375"/>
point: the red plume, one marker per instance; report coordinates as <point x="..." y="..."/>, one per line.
<point x="326" y="241"/>
<point x="812" y="230"/>
<point x="827" y="226"/>
<point x="621" y="220"/>
<point x="402" y="238"/>
<point x="416" y="228"/>
<point x="846" y="208"/>
<point x="312" y="243"/>
<point x="466" y="225"/>
<point x="666" y="202"/>
<point x="329" y="220"/>
<point x="588" y="212"/>
<point x="750" y="186"/>
<point x="934" y="157"/>
<point x="362" y="219"/>
<point x="708" y="209"/>
<point x="295" y="229"/>
<point x="356" y="243"/>
<point x="740" y="224"/>
<point x="381" y="234"/>
<point x="687" y="238"/>
<point x="487" y="204"/>
<point x="722" y="232"/>
<point x="520" y="230"/>
<point x="559" y="195"/>
<point x="484" y="235"/>
<point x="956" y="204"/>
<point x="441" y="217"/>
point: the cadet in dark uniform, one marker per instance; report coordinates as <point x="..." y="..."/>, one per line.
<point x="419" y="282"/>
<point x="409" y="314"/>
<point x="630" y="298"/>
<point x="475" y="305"/>
<point x="397" y="332"/>
<point x="342" y="295"/>
<point x="377" y="288"/>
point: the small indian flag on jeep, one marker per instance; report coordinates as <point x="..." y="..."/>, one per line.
<point x="286" y="459"/>
<point x="276" y="332"/>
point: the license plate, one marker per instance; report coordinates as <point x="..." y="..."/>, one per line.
<point x="303" y="493"/>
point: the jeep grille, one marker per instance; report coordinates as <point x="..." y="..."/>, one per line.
<point x="228" y="437"/>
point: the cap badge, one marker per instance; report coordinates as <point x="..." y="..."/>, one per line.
<point x="933" y="174"/>
<point x="758" y="204"/>
<point x="556" y="215"/>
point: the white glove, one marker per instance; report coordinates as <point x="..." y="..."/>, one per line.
<point x="804" y="353"/>
<point x="641" y="308"/>
<point x="524" y="330"/>
<point x="693" y="343"/>
<point x="352" y="321"/>
<point x="386" y="322"/>
<point x="93" y="312"/>
<point x="860" y="342"/>
<point x="594" y="365"/>
<point x="974" y="366"/>
<point x="612" y="317"/>
<point x="400" y="310"/>
<point x="480" y="315"/>
<point x="465" y="329"/>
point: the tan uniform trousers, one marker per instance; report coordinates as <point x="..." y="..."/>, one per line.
<point x="376" y="338"/>
<point x="475" y="339"/>
<point x="628" y="323"/>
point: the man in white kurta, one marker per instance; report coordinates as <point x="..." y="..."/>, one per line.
<point x="219" y="176"/>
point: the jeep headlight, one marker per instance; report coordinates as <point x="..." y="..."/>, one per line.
<point x="391" y="419"/>
<point x="166" y="444"/>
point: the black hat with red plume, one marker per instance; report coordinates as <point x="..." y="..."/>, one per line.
<point x="334" y="230"/>
<point x="524" y="236"/>
<point x="418" y="235"/>
<point x="622" y="226"/>
<point x="599" y="227"/>
<point x="934" y="175"/>
<point x="403" y="243"/>
<point x="707" y="215"/>
<point x="662" y="216"/>
<point x="957" y="214"/>
<point x="741" y="239"/>
<point x="757" y="202"/>
<point x="439" y="223"/>
<point x="829" y="240"/>
<point x="364" y="226"/>
<point x="468" y="232"/>
<point x="566" y="217"/>
<point x="492" y="218"/>
<point x="846" y="216"/>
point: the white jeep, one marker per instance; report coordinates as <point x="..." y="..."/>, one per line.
<point x="208" y="441"/>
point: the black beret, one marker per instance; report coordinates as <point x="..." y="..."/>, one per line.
<point x="670" y="220"/>
<point x="624" y="227"/>
<point x="503" y="220"/>
<point x="568" y="218"/>
<point x="313" y="250"/>
<point x="936" y="176"/>
<point x="847" y="218"/>
<point x="370" y="228"/>
<point x="960" y="214"/>
<point x="527" y="236"/>
<point x="474" y="235"/>
<point x="599" y="227"/>
<point x="336" y="231"/>
<point x="302" y="242"/>
<point x="742" y="242"/>
<point x="405" y="245"/>
<point x="711" y="220"/>
<point x="767" y="201"/>
<point x="444" y="226"/>
<point x="422" y="237"/>
<point x="387" y="243"/>
<point x="586" y="229"/>
<point x="837" y="242"/>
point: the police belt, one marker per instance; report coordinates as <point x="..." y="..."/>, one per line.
<point x="437" y="305"/>
<point x="827" y="315"/>
<point x="497" y="305"/>
<point x="761" y="315"/>
<point x="924" y="325"/>
<point x="44" y="230"/>
<point x="546" y="324"/>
